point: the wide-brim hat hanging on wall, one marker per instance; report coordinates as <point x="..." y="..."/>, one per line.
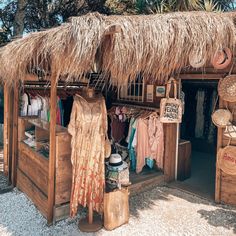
<point x="221" y="118"/>
<point x="227" y="88"/>
<point x="222" y="59"/>
<point x="197" y="59"/>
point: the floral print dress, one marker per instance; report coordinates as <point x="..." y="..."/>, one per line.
<point x="88" y="127"/>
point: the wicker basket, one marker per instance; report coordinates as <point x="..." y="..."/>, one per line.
<point x="221" y="118"/>
<point x="226" y="160"/>
<point x="227" y="88"/>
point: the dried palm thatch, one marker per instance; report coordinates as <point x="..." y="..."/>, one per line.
<point x="155" y="45"/>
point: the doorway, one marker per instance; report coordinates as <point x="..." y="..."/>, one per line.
<point x="197" y="127"/>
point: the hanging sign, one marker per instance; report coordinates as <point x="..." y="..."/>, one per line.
<point x="226" y="160"/>
<point x="150" y="93"/>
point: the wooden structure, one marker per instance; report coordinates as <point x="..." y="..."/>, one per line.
<point x="66" y="56"/>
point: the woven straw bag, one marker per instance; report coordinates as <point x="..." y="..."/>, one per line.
<point x="226" y="159"/>
<point x="230" y="131"/>
<point x="221" y="118"/>
<point x="227" y="88"/>
<point x="171" y="108"/>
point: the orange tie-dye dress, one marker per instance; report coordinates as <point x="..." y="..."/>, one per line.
<point x="88" y="127"/>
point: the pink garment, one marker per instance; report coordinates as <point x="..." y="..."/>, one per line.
<point x="150" y="142"/>
<point x="142" y="148"/>
<point x="156" y="140"/>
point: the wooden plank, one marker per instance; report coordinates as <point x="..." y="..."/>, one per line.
<point x="218" y="171"/>
<point x="37" y="174"/>
<point x="146" y="184"/>
<point x="36" y="196"/>
<point x="39" y="159"/>
<point x="228" y="189"/>
<point x="15" y="133"/>
<point x="170" y="131"/>
<point x="10" y="132"/>
<point x="61" y="212"/>
<point x="52" y="153"/>
<point x="63" y="169"/>
<point x="184" y="160"/>
<point x="199" y="76"/>
<point x="5" y="130"/>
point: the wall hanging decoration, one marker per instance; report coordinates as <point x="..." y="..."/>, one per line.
<point x="221" y="118"/>
<point x="227" y="88"/>
<point x="222" y="58"/>
<point x="171" y="108"/>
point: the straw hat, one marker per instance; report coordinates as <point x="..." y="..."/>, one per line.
<point x="227" y="88"/>
<point x="116" y="163"/>
<point x="221" y="118"/>
<point x="196" y="59"/>
<point x="222" y="58"/>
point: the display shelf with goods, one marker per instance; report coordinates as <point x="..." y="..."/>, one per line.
<point x="33" y="164"/>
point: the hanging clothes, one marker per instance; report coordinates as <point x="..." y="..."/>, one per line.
<point x="88" y="127"/>
<point x="142" y="146"/>
<point x="132" y="153"/>
<point x="212" y="128"/>
<point x="156" y="139"/>
<point x="117" y="129"/>
<point x="199" y="127"/>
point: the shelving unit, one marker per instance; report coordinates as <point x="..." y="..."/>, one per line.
<point x="33" y="166"/>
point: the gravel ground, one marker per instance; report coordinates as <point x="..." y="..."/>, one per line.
<point x="162" y="211"/>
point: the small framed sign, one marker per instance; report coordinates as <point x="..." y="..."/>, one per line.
<point x="150" y="89"/>
<point x="160" y="91"/>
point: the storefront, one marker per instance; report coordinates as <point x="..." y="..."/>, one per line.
<point x="131" y="72"/>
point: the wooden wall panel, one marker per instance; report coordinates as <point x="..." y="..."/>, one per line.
<point x="170" y="133"/>
<point x="63" y="169"/>
<point x="38" y="198"/>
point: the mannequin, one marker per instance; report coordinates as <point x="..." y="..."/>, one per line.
<point x="91" y="223"/>
<point x="89" y="117"/>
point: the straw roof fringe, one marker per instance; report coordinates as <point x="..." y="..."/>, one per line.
<point x="155" y="45"/>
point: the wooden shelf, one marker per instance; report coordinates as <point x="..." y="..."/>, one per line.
<point x="46" y="125"/>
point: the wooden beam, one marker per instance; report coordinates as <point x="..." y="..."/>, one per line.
<point x="15" y="133"/>
<point x="201" y="76"/>
<point x="52" y="151"/>
<point x="5" y="130"/>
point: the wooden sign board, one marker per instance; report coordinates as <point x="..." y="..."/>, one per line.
<point x="226" y="160"/>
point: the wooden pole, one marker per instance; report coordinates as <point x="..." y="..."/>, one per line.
<point x="218" y="171"/>
<point x="5" y="130"/>
<point x="15" y="133"/>
<point x="52" y="151"/>
<point x="90" y="216"/>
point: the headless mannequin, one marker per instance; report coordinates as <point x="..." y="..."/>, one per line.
<point x="90" y="223"/>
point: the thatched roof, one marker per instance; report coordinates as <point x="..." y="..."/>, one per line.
<point x="155" y="45"/>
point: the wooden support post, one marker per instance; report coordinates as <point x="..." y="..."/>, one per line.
<point x="170" y="131"/>
<point x="52" y="151"/>
<point x="218" y="171"/>
<point x="15" y="133"/>
<point x="8" y="130"/>
<point x="5" y="130"/>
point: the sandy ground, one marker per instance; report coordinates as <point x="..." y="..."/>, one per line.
<point x="161" y="211"/>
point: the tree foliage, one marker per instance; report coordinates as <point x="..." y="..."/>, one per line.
<point x="22" y="16"/>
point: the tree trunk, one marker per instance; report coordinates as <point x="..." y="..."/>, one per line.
<point x="18" y="25"/>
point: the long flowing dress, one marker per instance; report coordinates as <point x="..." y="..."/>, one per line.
<point x="88" y="127"/>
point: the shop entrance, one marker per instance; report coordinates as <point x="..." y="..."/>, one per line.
<point x="197" y="127"/>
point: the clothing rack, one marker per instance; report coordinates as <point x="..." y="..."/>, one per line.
<point x="136" y="106"/>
